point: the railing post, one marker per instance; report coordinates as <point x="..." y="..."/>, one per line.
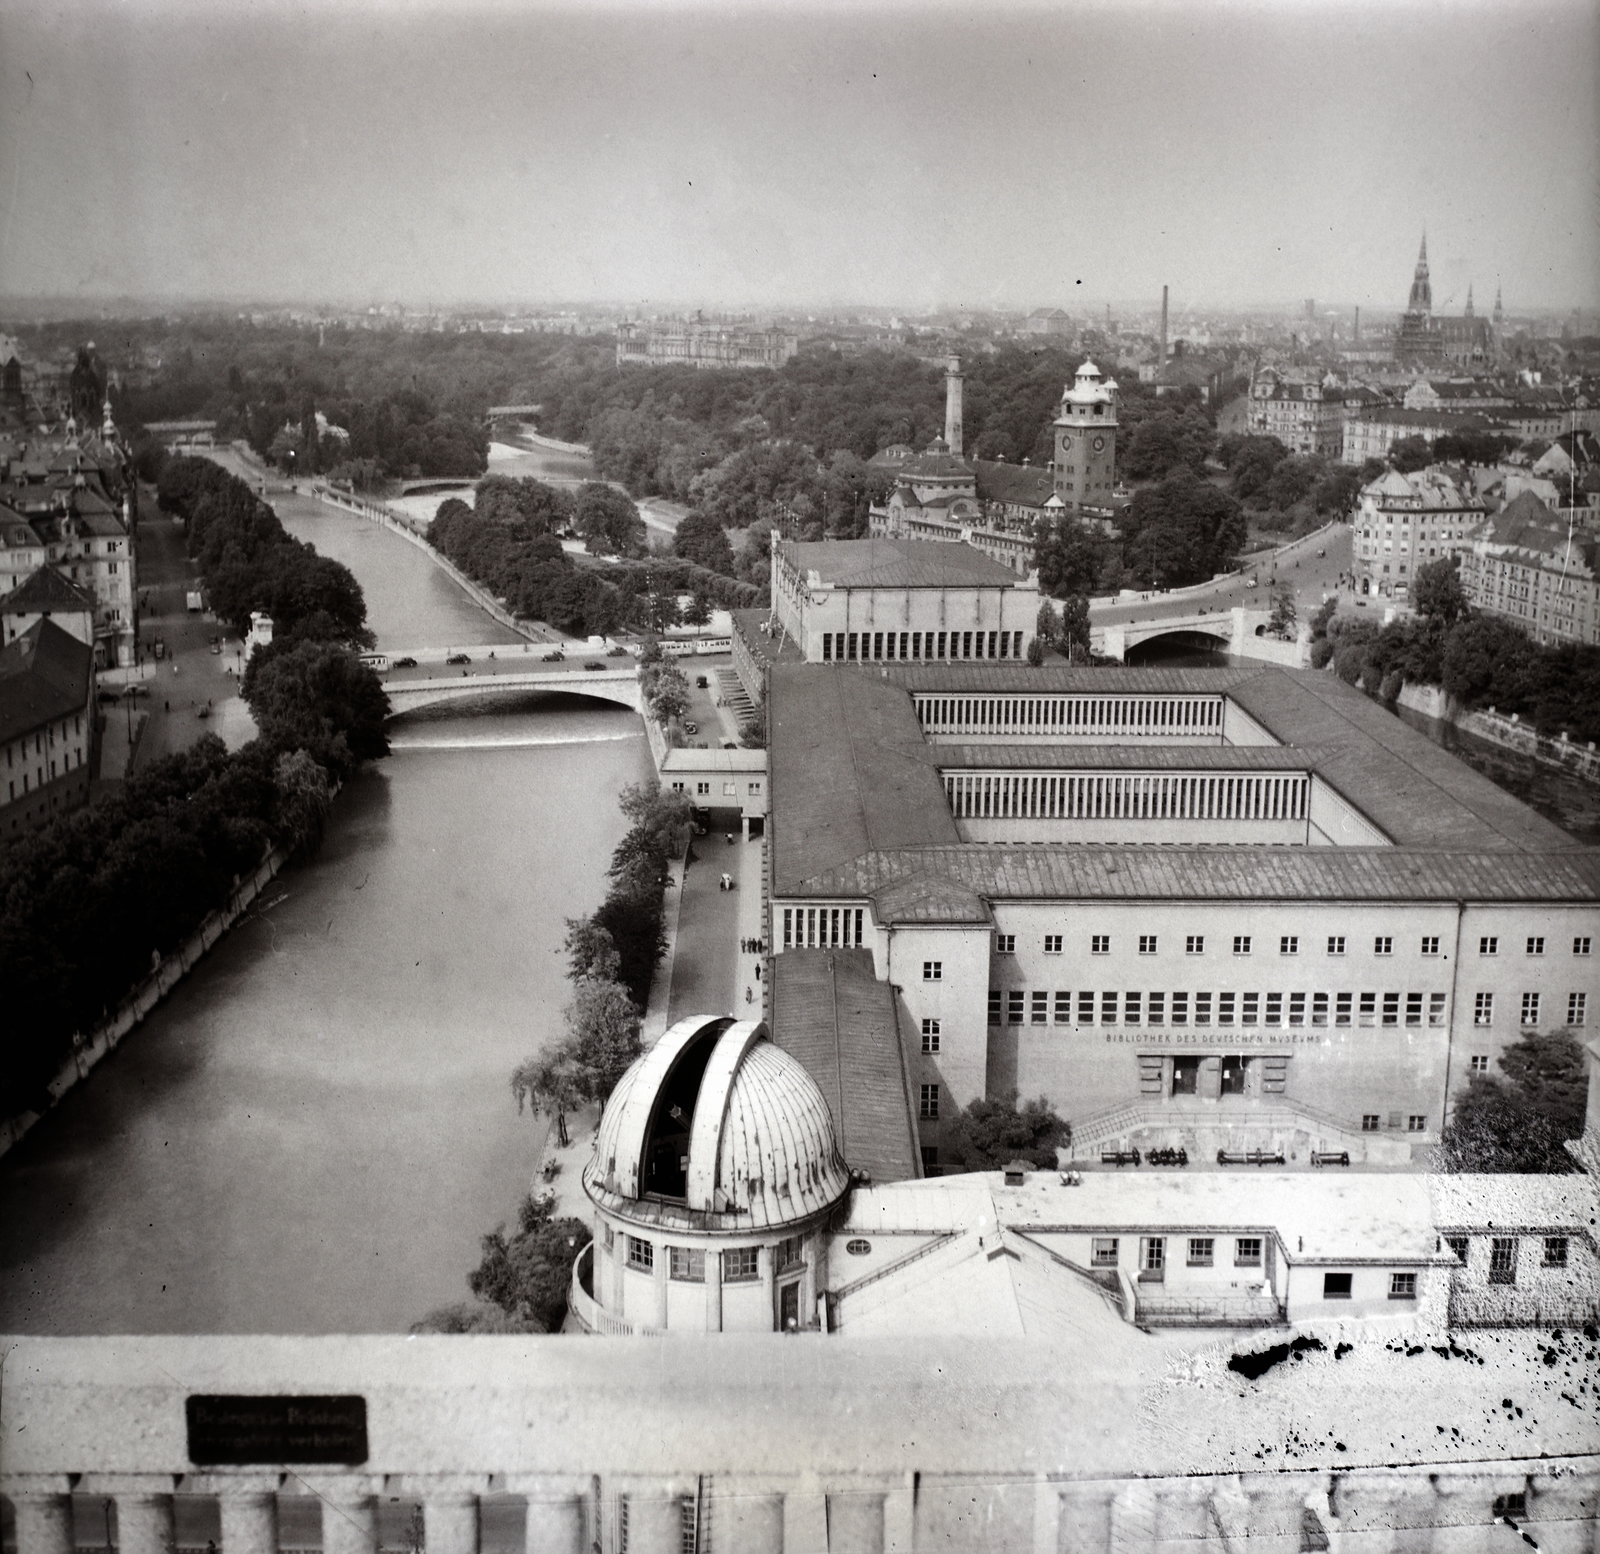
<point x="554" y="1522"/>
<point x="349" y="1516"/>
<point x="450" y="1522"/>
<point x="855" y="1522"/>
<point x="144" y="1524"/>
<point x="44" y="1522"/>
<point x="655" y="1515"/>
<point x="249" y="1515"/>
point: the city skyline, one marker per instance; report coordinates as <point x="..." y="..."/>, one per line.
<point x="809" y="158"/>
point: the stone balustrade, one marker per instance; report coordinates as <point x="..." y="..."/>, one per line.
<point x="810" y="1445"/>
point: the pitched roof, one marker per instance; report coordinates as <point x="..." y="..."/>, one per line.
<point x="1024" y="483"/>
<point x="45" y="674"/>
<point x="830" y="1012"/>
<point x="45" y="592"/>
<point x="884" y="563"/>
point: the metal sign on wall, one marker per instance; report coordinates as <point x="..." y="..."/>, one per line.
<point x="239" y="1431"/>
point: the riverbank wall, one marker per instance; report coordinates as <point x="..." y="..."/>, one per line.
<point x="1506" y="730"/>
<point x="376" y="512"/>
<point x="88" y="1051"/>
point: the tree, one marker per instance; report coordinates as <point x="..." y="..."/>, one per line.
<point x="304" y="798"/>
<point x="1410" y="454"/>
<point x="1281" y="623"/>
<point x="608" y="521"/>
<point x="1437" y="593"/>
<point x="701" y="539"/>
<point x="590" y="951"/>
<point x="603" y="1035"/>
<point x="320" y="698"/>
<point x="698" y="612"/>
<point x="665" y="813"/>
<point x="1036" y="652"/>
<point x="1047" y="624"/>
<point x="1074" y="638"/>
<point x="1180" y="532"/>
<point x="527" y="1275"/>
<point x="991" y="1133"/>
<point x="553" y="1084"/>
<point x="753" y="731"/>
<point x="1522" y="1122"/>
<point x="1069" y="557"/>
<point x="1549" y="1071"/>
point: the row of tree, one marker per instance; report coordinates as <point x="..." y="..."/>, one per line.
<point x="1480" y="660"/>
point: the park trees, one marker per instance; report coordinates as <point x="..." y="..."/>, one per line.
<point x="1069" y="556"/>
<point x="1182" y="531"/>
<point x="525" y="1275"/>
<point x="702" y="539"/>
<point x="1281" y="623"/>
<point x="1410" y="454"/>
<point x="318" y="697"/>
<point x="1437" y="593"/>
<point x="1520" y="1123"/>
<point x="608" y="521"/>
<point x="990" y="1134"/>
<point x="1166" y="440"/>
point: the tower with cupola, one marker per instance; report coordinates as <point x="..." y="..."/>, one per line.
<point x="1086" y="440"/>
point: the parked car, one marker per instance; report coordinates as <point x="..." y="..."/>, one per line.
<point x="701" y="681"/>
<point x="404" y="663"/>
<point x="690" y="728"/>
<point x="555" y="657"/>
<point x="458" y="658"/>
<point x="594" y="664"/>
<point x="616" y="650"/>
<point x="1253" y="583"/>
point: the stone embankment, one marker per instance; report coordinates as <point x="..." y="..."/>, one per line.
<point x="1506" y="730"/>
<point x="89" y="1050"/>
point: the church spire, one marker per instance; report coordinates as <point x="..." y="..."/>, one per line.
<point x="1421" y="289"/>
<point x="1498" y="311"/>
<point x="1468" y="313"/>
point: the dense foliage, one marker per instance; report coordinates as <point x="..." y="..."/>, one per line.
<point x="990" y="1134"/>
<point x="1522" y="1122"/>
<point x="1480" y="660"/>
<point x="250" y="562"/>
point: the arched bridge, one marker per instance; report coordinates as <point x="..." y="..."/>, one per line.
<point x="1238" y="631"/>
<point x="618" y="685"/>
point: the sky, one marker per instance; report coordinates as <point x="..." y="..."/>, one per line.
<point x="816" y="155"/>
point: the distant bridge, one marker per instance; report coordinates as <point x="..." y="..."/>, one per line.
<point x="505" y="412"/>
<point x="1239" y="631"/>
<point x="615" y="685"/>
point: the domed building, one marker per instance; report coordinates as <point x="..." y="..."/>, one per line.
<point x="715" y="1176"/>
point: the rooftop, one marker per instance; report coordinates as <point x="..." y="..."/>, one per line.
<point x="885" y="563"/>
<point x="44" y="592"/>
<point x="45" y="674"/>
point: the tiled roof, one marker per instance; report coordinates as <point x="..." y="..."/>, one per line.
<point x="1024" y="483"/>
<point x="1073" y="873"/>
<point x="928" y="898"/>
<point x="44" y="592"/>
<point x="896" y="564"/>
<point x="44" y="674"/>
<point x="830" y="1012"/>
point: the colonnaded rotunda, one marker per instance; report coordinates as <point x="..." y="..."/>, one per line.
<point x="715" y="1174"/>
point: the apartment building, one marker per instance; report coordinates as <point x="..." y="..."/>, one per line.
<point x="1528" y="566"/>
<point x="1404" y="522"/>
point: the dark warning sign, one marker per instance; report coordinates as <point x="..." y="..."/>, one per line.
<point x="239" y="1431"/>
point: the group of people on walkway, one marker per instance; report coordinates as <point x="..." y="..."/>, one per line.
<point x="753" y="946"/>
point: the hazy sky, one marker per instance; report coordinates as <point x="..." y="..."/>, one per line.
<point x="659" y="154"/>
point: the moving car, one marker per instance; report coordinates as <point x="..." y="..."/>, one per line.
<point x="458" y="658"/>
<point x="556" y="657"/>
<point x="594" y="664"/>
<point x="404" y="663"/>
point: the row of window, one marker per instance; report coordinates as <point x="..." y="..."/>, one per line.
<point x="824" y="928"/>
<point x="1503" y="1255"/>
<point x="854" y="646"/>
<point x="1288" y="944"/>
<point x="1161" y="715"/>
<point x="687" y="1264"/>
<point x="1532" y="1006"/>
<point x="975" y="796"/>
<point x="1153" y="1252"/>
<point x="1043" y="1006"/>
<point x="1372" y="1122"/>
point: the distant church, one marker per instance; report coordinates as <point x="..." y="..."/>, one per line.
<point x="1425" y="341"/>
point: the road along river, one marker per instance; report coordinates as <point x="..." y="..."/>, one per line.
<point x="313" y="1132"/>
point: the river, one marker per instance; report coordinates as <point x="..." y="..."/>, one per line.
<point x="314" y="1131"/>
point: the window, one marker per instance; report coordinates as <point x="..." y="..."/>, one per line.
<point x="1157" y="1013"/>
<point x="1147" y="944"/>
<point x="1580" y="945"/>
<point x="1005" y="944"/>
<point x="1194" y="944"/>
<point x="1369" y="1122"/>
<point x="741" y="1265"/>
<point x="1336" y="1286"/>
<point x="1289" y="944"/>
<point x="1100" y="944"/>
<point x="1402" y="1286"/>
<point x="1274" y="1009"/>
<point x="730" y="790"/>
<point x="1180" y="1008"/>
<point x="1108" y="1008"/>
<point x="1252" y="1006"/>
<point x="1577" y="1008"/>
<point x="1039" y="1008"/>
<point x="1458" y="1246"/>
<point x="1336" y="944"/>
<point x="929" y="1107"/>
<point x="1247" y="1252"/>
<point x="1436" y="1003"/>
<point x="1483" y="1009"/>
<point x="1503" y="1260"/>
<point x="1416" y="1123"/>
<point x="1479" y="1063"/>
<point x="1202" y="1008"/>
<point x="1430" y="944"/>
<point x="1341" y="1011"/>
<point x="1530" y="1009"/>
<point x="1130" y="1008"/>
<point x="857" y="1246"/>
<point x="1241" y="944"/>
<point x="791" y="1253"/>
<point x="1413" y="1008"/>
<point x="1085" y="1008"/>
<point x="611" y="1238"/>
<point x="1555" y="1251"/>
<point x="994" y="1006"/>
<point x="1063" y="1008"/>
<point x="1297" y="1009"/>
<point x="1200" y="1251"/>
<point x="1052" y="944"/>
<point x="1103" y="1253"/>
<point x="1536" y="946"/>
<point x="933" y="971"/>
<point x="1383" y="945"/>
<point x="686" y="1264"/>
<point x="641" y="1254"/>
<point x="1155" y="1253"/>
<point x="1014" y="1003"/>
<point x="930" y="1035"/>
<point x="1489" y="945"/>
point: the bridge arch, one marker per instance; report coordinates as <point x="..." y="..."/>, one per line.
<point x="1190" y="638"/>
<point x="619" y="688"/>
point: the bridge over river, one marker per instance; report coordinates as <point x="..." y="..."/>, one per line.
<point x="1239" y="631"/>
<point x="620" y="685"/>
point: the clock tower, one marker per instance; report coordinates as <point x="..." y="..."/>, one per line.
<point x="1086" y="440"/>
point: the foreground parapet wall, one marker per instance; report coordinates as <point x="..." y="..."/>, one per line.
<point x="776" y="1443"/>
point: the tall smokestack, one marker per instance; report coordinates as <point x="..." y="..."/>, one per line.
<point x="1358" y="325"/>
<point x="952" y="406"/>
<point x="1163" y="326"/>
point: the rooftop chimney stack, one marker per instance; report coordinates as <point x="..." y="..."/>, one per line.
<point x="952" y="407"/>
<point x="1163" y="326"/>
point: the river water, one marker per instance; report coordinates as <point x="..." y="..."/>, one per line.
<point x="314" y="1131"/>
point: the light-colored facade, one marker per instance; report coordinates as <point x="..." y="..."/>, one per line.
<point x="1407" y="522"/>
<point x="47" y="727"/>
<point x="1213" y="910"/>
<point x="696" y="343"/>
<point x="1527" y="566"/>
<point x="897" y="601"/>
<point x="719" y="779"/>
<point x="1305" y="415"/>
